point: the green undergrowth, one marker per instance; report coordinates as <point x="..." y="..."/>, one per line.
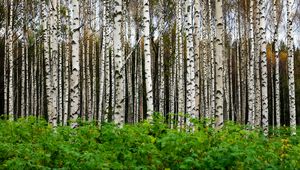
<point x="32" y="144"/>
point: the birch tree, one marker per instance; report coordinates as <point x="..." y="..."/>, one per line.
<point x="119" y="115"/>
<point x="180" y="74"/>
<point x="197" y="56"/>
<point x="264" y="90"/>
<point x="277" y="80"/>
<point x="147" y="53"/>
<point x="219" y="64"/>
<point x="11" y="63"/>
<point x="74" y="84"/>
<point x="291" y="73"/>
<point x="251" y="96"/>
<point x="190" y="77"/>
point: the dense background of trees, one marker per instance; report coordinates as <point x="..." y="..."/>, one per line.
<point x="121" y="60"/>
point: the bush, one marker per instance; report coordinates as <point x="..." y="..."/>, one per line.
<point x="33" y="144"/>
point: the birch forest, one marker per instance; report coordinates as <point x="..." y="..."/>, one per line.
<point x="121" y="69"/>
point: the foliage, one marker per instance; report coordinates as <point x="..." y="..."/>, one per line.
<point x="33" y="144"/>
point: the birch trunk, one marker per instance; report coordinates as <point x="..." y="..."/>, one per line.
<point x="162" y="67"/>
<point x="11" y="62"/>
<point x="119" y="116"/>
<point x="219" y="64"/>
<point x="190" y="77"/>
<point x="251" y="95"/>
<point x="147" y="53"/>
<point x="197" y="56"/>
<point x="23" y="74"/>
<point x="205" y="66"/>
<point x="49" y="81"/>
<point x="54" y="57"/>
<point x="291" y="68"/>
<point x="257" y="69"/>
<point x="264" y="70"/>
<point x="74" y="84"/>
<point x="277" y="78"/>
<point x="102" y="64"/>
<point x="181" y="108"/>
<point x="212" y="62"/>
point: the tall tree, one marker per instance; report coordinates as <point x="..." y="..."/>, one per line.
<point x="219" y="64"/>
<point x="251" y="87"/>
<point x="190" y="77"/>
<point x="147" y="53"/>
<point x="264" y="71"/>
<point x="197" y="55"/>
<point x="75" y="69"/>
<point x="119" y="73"/>
<point x="291" y="73"/>
<point x="276" y="46"/>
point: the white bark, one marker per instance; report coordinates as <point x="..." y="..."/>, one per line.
<point x="277" y="79"/>
<point x="49" y="81"/>
<point x="257" y="69"/>
<point x="147" y="53"/>
<point x="23" y="81"/>
<point x="190" y="77"/>
<point x="212" y="62"/>
<point x="205" y="31"/>
<point x="74" y="84"/>
<point x="54" y="57"/>
<point x="219" y="64"/>
<point x="119" y="115"/>
<point x="102" y="66"/>
<point x="179" y="47"/>
<point x="291" y="73"/>
<point x="264" y="70"/>
<point x="162" y="68"/>
<point x="251" y="95"/>
<point x="11" y="62"/>
<point x="197" y="56"/>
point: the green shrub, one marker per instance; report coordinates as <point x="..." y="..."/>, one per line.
<point x="33" y="144"/>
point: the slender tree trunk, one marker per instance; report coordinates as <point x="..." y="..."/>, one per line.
<point x="257" y="69"/>
<point x="264" y="70"/>
<point x="197" y="57"/>
<point x="291" y="68"/>
<point x="75" y="70"/>
<point x="54" y="57"/>
<point x="11" y="64"/>
<point x="147" y="53"/>
<point x="190" y="77"/>
<point x="251" y="90"/>
<point x="119" y="116"/>
<point x="277" y="78"/>
<point x="212" y="62"/>
<point x="181" y="94"/>
<point x="205" y="54"/>
<point x="219" y="64"/>
<point x="49" y="81"/>
<point x="23" y="74"/>
<point x="162" y="67"/>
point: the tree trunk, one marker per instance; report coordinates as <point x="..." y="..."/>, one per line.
<point x="119" y="115"/>
<point x="277" y="78"/>
<point x="264" y="70"/>
<point x="251" y="95"/>
<point x="291" y="68"/>
<point x="75" y="70"/>
<point x="219" y="64"/>
<point x="197" y="57"/>
<point x="147" y="53"/>
<point x="11" y="64"/>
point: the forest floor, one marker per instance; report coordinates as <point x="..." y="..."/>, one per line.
<point x="32" y="144"/>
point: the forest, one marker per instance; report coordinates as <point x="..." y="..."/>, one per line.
<point x="149" y="84"/>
